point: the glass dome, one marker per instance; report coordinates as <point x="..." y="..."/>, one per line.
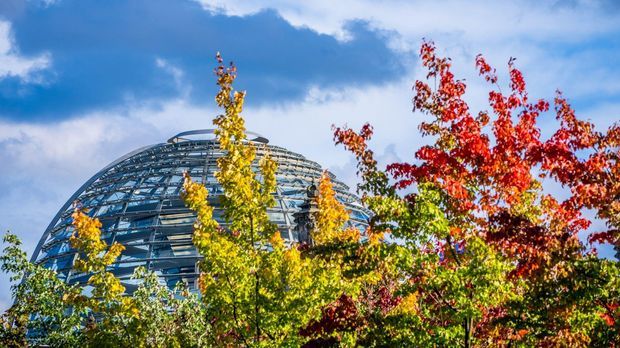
<point x="136" y="198"/>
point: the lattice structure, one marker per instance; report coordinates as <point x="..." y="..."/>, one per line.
<point x="137" y="200"/>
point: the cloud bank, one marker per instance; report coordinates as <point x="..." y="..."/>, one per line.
<point x="106" y="55"/>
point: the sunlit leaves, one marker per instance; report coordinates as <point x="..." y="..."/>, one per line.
<point x="478" y="236"/>
<point x="464" y="248"/>
<point x="257" y="290"/>
<point x="40" y="306"/>
<point x="331" y="217"/>
<point x="107" y="289"/>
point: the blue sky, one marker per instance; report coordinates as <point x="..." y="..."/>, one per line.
<point x="105" y="55"/>
<point x="83" y="82"/>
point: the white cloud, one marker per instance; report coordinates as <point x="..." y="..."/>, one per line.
<point x="474" y="20"/>
<point x="11" y="63"/>
<point x="177" y="74"/>
<point x="555" y="41"/>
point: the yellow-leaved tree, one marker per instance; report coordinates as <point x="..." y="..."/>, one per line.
<point x="367" y="266"/>
<point x="258" y="291"/>
<point x="106" y="299"/>
<point x="152" y="316"/>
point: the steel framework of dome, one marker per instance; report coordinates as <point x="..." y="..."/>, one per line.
<point x="136" y="198"/>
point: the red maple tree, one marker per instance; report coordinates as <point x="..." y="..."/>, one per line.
<point x="489" y="167"/>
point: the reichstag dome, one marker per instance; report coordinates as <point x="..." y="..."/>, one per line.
<point x="137" y="200"/>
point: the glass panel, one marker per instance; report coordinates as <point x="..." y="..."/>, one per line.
<point x="276" y="217"/>
<point x="60" y="262"/>
<point x="183" y="218"/>
<point x="176" y="179"/>
<point x="110" y="209"/>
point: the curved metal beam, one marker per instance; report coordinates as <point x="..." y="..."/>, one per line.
<point x="180" y="137"/>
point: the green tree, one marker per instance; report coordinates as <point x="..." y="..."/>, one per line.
<point x="40" y="306"/>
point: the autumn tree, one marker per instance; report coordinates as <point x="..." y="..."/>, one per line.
<point x="493" y="259"/>
<point x="153" y="316"/>
<point x="47" y="311"/>
<point x="258" y="291"/>
<point x="366" y="263"/>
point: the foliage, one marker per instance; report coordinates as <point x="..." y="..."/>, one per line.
<point x="47" y="311"/>
<point x="168" y="318"/>
<point x="492" y="259"/>
<point x="40" y="306"/>
<point x="257" y="290"/>
<point x="367" y="267"/>
<point x="153" y="316"/>
<point x="464" y="248"/>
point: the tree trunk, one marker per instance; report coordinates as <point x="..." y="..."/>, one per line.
<point x="467" y="325"/>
